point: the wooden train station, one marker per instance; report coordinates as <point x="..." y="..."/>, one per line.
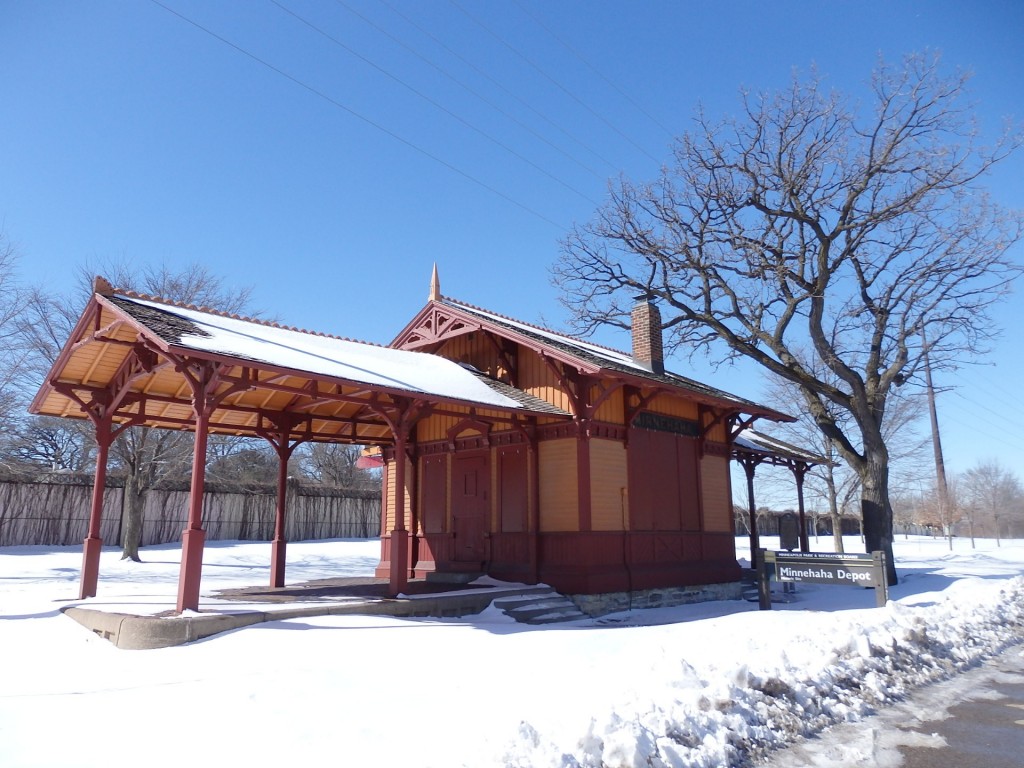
<point x="509" y="450"/>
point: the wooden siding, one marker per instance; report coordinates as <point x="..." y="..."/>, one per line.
<point x="473" y="348"/>
<point x="434" y="428"/>
<point x="389" y="497"/>
<point x="673" y="406"/>
<point x="608" y="482"/>
<point x="715" y="487"/>
<point x="434" y="493"/>
<point x="540" y="381"/>
<point x="717" y="433"/>
<point x="559" y="502"/>
<point x="389" y="501"/>
<point x="512" y="489"/>
<point x="663" y="482"/>
<point x="612" y="410"/>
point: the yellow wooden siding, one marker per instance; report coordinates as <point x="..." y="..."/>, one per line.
<point x="538" y="379"/>
<point x="673" y="406"/>
<point x="473" y="348"/>
<point x="559" y="497"/>
<point x="717" y="433"/>
<point x="389" y="502"/>
<point x="389" y="499"/>
<point x="717" y="494"/>
<point x="608" y="481"/>
<point x="434" y="428"/>
<point x="613" y="409"/>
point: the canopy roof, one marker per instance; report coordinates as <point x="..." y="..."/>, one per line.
<point x="141" y="356"/>
<point x="757" y="445"/>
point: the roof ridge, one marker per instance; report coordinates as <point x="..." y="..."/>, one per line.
<point x="235" y="316"/>
<point x="534" y="326"/>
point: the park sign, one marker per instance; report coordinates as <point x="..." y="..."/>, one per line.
<point x="867" y="570"/>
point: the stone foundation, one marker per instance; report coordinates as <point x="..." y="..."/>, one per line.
<point x="666" y="597"/>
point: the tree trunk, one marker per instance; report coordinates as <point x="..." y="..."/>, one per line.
<point x="876" y="511"/>
<point x="131" y="516"/>
<point x="833" y="513"/>
<point x="837" y="531"/>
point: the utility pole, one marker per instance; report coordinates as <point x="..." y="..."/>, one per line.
<point x="940" y="465"/>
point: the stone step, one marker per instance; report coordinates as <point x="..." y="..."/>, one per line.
<point x="541" y="608"/>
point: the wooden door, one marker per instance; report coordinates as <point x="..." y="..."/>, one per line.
<point x="470" y="486"/>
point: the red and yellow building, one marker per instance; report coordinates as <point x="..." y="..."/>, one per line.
<point x="623" y="486"/>
<point x="509" y="450"/>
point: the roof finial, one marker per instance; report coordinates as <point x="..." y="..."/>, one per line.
<point x="435" y="286"/>
<point x="101" y="286"/>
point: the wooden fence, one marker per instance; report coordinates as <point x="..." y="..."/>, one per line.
<point x="56" y="512"/>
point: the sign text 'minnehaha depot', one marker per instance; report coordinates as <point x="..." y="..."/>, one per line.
<point x="830" y="574"/>
<point x="863" y="570"/>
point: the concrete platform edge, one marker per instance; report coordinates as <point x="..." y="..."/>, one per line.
<point x="132" y="632"/>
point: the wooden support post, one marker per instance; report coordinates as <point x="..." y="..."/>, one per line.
<point x="583" y="483"/>
<point x="194" y="537"/>
<point x="749" y="467"/>
<point x="533" y="451"/>
<point x="399" y="573"/>
<point x="279" y="546"/>
<point x="93" y="544"/>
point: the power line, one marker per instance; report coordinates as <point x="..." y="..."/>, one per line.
<point x="501" y="86"/>
<point x="359" y="116"/>
<point x="614" y="86"/>
<point x="986" y="385"/>
<point x="1002" y="417"/>
<point x="552" y="80"/>
<point x="431" y="101"/>
<point x="472" y="91"/>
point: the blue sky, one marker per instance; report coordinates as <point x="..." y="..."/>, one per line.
<point x="328" y="153"/>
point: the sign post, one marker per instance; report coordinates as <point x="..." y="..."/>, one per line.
<point x="821" y="568"/>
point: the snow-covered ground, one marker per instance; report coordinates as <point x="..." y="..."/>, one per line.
<point x="715" y="684"/>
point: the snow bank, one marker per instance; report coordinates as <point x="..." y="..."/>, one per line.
<point x="734" y="715"/>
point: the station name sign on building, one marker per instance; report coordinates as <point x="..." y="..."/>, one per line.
<point x="867" y="570"/>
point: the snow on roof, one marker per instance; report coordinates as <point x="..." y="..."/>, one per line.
<point x="328" y="356"/>
<point x="762" y="443"/>
<point x="605" y="356"/>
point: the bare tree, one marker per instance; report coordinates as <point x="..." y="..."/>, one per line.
<point x="336" y="464"/>
<point x="241" y="463"/>
<point x="51" y="444"/>
<point x="802" y="228"/>
<point x="992" y="497"/>
<point x="833" y="482"/>
<point x="12" y="304"/>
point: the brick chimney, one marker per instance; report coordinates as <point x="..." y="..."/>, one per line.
<point x="647" y="350"/>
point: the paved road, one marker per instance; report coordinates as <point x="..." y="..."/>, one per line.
<point x="973" y="721"/>
<point x="981" y="732"/>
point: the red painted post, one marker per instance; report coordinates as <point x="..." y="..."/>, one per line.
<point x="194" y="537"/>
<point x="583" y="494"/>
<point x="93" y="544"/>
<point x="399" y="576"/>
<point x="534" y="454"/>
<point x="279" y="545"/>
<point x="755" y="542"/>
